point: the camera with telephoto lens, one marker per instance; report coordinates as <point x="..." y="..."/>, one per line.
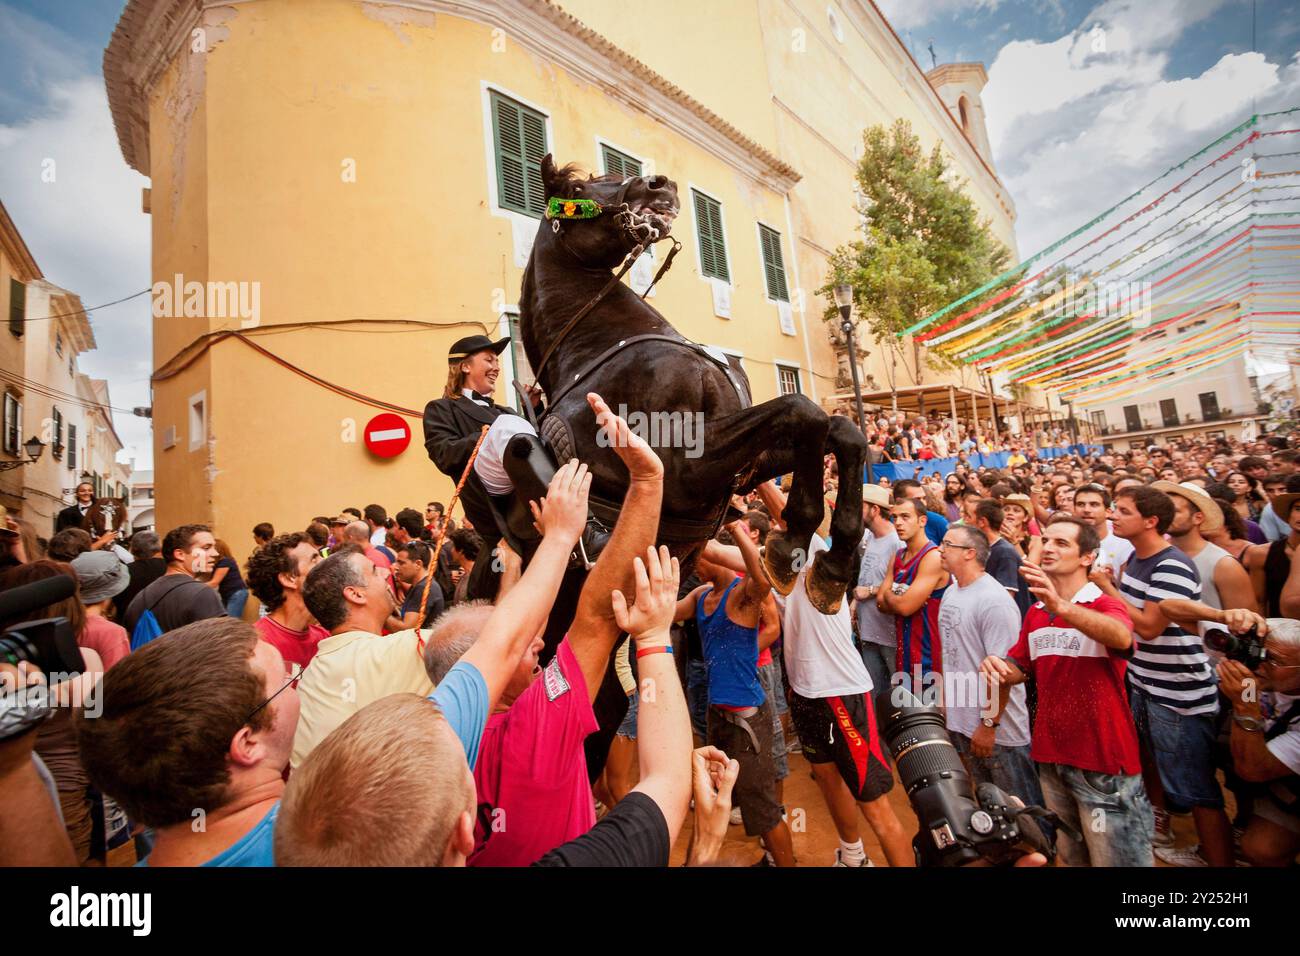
<point x="49" y="644"/>
<point x="956" y="830"/>
<point x="1245" y="648"/>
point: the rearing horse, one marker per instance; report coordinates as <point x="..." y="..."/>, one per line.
<point x="584" y="331"/>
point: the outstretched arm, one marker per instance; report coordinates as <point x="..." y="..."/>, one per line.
<point x="522" y="613"/>
<point x="756" y="583"/>
<point x="595" y="631"/>
<point x="774" y="500"/>
<point x="664" y="741"/>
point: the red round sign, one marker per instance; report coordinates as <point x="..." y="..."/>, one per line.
<point x="387" y="435"/>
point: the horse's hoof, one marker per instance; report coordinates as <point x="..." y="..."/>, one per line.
<point x="778" y="562"/>
<point x="825" y="591"/>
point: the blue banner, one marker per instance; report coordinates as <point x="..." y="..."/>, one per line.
<point x="894" y="470"/>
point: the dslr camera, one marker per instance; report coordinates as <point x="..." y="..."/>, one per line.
<point x="48" y="644"/>
<point x="1245" y="648"/>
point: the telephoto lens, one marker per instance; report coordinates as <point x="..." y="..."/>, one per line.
<point x="933" y="776"/>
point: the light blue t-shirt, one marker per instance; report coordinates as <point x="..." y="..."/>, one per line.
<point x="255" y="848"/>
<point x="936" y="526"/>
<point x="462" y="696"/>
<point x="1274" y="528"/>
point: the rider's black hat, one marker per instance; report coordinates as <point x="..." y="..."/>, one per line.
<point x="470" y="344"/>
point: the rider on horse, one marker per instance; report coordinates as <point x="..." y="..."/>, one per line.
<point x="511" y="457"/>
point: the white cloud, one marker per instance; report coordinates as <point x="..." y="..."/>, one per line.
<point x="906" y="14"/>
<point x="1076" y="125"/>
<point x="1135" y="25"/>
<point x="88" y="234"/>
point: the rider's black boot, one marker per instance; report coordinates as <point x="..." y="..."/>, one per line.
<point x="531" y="467"/>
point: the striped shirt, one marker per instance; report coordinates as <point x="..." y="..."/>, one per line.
<point x="1171" y="669"/>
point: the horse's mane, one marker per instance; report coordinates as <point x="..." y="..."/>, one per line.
<point x="570" y="175"/>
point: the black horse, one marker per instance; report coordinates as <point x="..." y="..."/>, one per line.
<point x="624" y="349"/>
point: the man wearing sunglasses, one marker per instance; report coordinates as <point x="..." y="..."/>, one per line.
<point x="201" y="761"/>
<point x="1266" y="741"/>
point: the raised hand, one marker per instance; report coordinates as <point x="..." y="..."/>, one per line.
<point x="657" y="578"/>
<point x="563" y="512"/>
<point x="640" y="459"/>
<point x="713" y="775"/>
<point x="1041" y="587"/>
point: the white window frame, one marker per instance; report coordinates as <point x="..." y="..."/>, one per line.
<point x="647" y="165"/>
<point x="647" y="170"/>
<point x="508" y="365"/>
<point x="197" y="441"/>
<point x="789" y="367"/>
<point x="722" y="214"/>
<point x="486" y="89"/>
<point x="733" y="352"/>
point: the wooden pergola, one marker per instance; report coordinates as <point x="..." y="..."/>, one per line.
<point x="954" y="399"/>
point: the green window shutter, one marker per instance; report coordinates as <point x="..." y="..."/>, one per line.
<point x="773" y="264"/>
<point x="713" y="248"/>
<point x="619" y="164"/>
<point x="17" y="307"/>
<point x="520" y="145"/>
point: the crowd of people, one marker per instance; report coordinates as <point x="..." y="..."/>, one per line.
<point x="903" y="436"/>
<point x="1110" y="637"/>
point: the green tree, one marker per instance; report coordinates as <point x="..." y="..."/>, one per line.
<point x="923" y="242"/>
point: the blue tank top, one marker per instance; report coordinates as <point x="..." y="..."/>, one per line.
<point x="730" y="655"/>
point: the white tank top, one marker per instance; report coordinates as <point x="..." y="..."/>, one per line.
<point x="1205" y="562"/>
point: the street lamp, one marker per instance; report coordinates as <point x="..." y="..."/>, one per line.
<point x="844" y="302"/>
<point x="33" y="447"/>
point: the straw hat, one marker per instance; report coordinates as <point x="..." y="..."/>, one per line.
<point x="875" y="495"/>
<point x="1023" y="501"/>
<point x="1195" y="495"/>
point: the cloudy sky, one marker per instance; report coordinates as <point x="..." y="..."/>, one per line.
<point x="1085" y="102"/>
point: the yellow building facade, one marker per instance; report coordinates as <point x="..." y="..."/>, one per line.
<point x="333" y="204"/>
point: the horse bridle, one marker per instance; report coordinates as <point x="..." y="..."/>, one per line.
<point x="642" y="234"/>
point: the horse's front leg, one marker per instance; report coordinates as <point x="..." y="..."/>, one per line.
<point x="789" y="429"/>
<point x="835" y="570"/>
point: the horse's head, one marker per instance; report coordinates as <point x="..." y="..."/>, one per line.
<point x="619" y="213"/>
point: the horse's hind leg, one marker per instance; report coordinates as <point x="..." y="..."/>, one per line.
<point x="834" y="570"/>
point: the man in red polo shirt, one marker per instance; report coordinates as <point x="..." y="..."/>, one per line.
<point x="531" y="769"/>
<point x="275" y="574"/>
<point x="1074" y="642"/>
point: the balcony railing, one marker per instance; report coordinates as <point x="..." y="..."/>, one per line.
<point x="1210" y="418"/>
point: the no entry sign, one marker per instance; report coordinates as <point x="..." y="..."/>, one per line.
<point x="387" y="435"/>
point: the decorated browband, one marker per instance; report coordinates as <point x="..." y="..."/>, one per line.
<point x="557" y="208"/>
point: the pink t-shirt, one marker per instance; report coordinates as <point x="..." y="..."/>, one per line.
<point x="106" y="639"/>
<point x="532" y="771"/>
<point x="296" y="647"/>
